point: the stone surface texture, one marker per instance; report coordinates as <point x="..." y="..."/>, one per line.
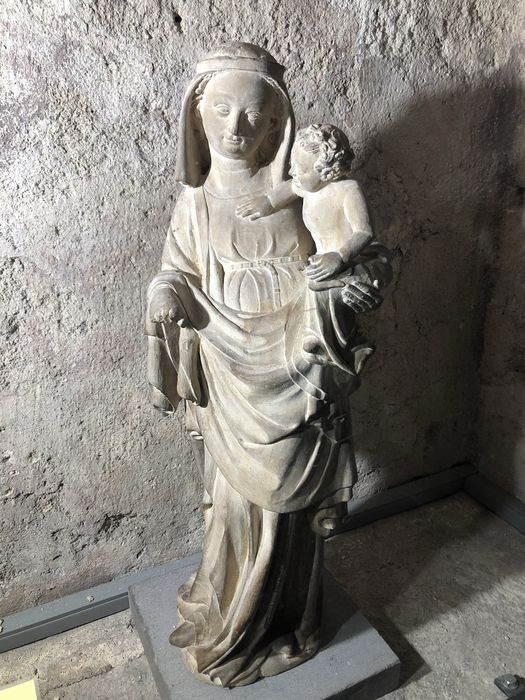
<point x="453" y="610"/>
<point x="94" y="483"/>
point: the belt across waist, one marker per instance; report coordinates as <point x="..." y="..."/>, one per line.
<point x="263" y="262"/>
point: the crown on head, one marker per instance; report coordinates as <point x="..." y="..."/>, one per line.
<point x="240" y="56"/>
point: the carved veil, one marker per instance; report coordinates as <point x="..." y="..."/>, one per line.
<point x="193" y="157"/>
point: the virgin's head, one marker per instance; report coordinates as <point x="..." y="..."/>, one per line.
<point x="240" y="114"/>
<point x="237" y="107"/>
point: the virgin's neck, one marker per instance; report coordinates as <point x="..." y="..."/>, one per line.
<point x="233" y="177"/>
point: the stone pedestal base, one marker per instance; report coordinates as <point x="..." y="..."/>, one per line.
<point x="354" y="661"/>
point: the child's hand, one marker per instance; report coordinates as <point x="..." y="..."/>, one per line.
<point x="253" y="208"/>
<point x="323" y="266"/>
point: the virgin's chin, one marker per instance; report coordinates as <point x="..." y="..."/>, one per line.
<point x="234" y="151"/>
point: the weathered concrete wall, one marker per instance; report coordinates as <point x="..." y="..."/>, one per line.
<point x="502" y="415"/>
<point x="94" y="483"/>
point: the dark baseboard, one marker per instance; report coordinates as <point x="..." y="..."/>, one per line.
<point x="496" y="499"/>
<point x="363" y="511"/>
<point x="100" y="601"/>
<point x="78" y="608"/>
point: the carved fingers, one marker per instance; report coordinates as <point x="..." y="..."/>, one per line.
<point x="361" y="297"/>
<point x="253" y="208"/>
<point x="164" y="307"/>
<point x="321" y="267"/>
<point x="247" y="210"/>
<point x="167" y="315"/>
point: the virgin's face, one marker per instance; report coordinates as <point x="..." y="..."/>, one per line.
<point x="236" y="111"/>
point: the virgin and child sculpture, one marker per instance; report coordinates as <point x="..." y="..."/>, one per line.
<point x="251" y="325"/>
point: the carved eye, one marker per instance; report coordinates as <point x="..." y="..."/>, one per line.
<point x="253" y="116"/>
<point x="223" y="109"/>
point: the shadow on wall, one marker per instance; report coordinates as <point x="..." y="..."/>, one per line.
<point x="438" y="181"/>
<point x="502" y="404"/>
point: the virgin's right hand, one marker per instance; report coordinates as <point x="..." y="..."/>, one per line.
<point x="165" y="307"/>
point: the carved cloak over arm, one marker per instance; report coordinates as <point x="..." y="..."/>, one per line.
<point x="173" y="375"/>
<point x="262" y="389"/>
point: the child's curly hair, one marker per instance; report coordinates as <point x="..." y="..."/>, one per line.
<point x="335" y="154"/>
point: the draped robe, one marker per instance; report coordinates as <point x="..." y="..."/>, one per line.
<point x="265" y="366"/>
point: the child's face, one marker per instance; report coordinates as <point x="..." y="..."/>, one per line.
<point x="303" y="171"/>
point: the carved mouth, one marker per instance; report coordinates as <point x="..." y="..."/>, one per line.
<point x="234" y="140"/>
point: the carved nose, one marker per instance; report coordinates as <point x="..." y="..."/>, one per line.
<point x="233" y="126"/>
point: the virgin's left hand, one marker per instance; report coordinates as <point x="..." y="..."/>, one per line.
<point x="361" y="297"/>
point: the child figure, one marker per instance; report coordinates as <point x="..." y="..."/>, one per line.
<point x="334" y="209"/>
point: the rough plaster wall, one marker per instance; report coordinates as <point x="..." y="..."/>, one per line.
<point x="94" y="483"/>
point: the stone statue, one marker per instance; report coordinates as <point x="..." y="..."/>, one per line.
<point x="263" y="349"/>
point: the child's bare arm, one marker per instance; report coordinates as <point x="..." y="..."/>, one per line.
<point x="283" y="194"/>
<point x="256" y="206"/>
<point x="360" y="231"/>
